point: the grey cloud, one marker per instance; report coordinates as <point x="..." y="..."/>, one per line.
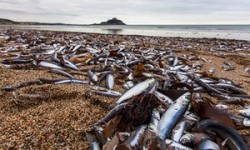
<point x="10" y="11"/>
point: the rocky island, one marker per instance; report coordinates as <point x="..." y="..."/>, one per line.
<point x="113" y="21"/>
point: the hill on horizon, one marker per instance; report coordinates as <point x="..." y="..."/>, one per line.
<point x="113" y="21"/>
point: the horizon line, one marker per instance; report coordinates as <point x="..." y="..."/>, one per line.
<point x="136" y="24"/>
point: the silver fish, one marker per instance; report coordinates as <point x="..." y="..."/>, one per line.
<point x="245" y="112"/>
<point x="108" y="93"/>
<point x="109" y="81"/>
<point x="173" y="114"/>
<point x="94" y="144"/>
<point x="246" y="122"/>
<point x="247" y="70"/>
<point x="75" y="81"/>
<point x="222" y="106"/>
<point x="193" y="138"/>
<point x="135" y="139"/>
<point x="179" y="130"/>
<point x="128" y="85"/>
<point x="229" y="87"/>
<point x="112" y="113"/>
<point x="99" y="134"/>
<point x="208" y="144"/>
<point x="54" y="58"/>
<point x="77" y="47"/>
<point x="69" y="64"/>
<point x="136" y="90"/>
<point x="163" y="98"/>
<point x="93" y="77"/>
<point x="174" y="145"/>
<point x="155" y="118"/>
<point x="225" y="132"/>
<point x="48" y="65"/>
<point x="175" y="68"/>
<point x="228" y="67"/>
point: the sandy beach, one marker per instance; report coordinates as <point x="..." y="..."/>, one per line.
<point x="64" y="112"/>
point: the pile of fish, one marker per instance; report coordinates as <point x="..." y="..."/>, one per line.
<point x="165" y="104"/>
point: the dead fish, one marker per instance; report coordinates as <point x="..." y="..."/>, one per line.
<point x="54" y="58"/>
<point x="77" y="47"/>
<point x="175" y="68"/>
<point x="62" y="48"/>
<point x="94" y="144"/>
<point x="175" y="61"/>
<point x="182" y="77"/>
<point x="134" y="140"/>
<point x="18" y="60"/>
<point x="62" y="73"/>
<point x="222" y="106"/>
<point x="163" y="98"/>
<point x="27" y="98"/>
<point x="93" y="77"/>
<point x="49" y="52"/>
<point x="109" y="81"/>
<point x="179" y="130"/>
<point x="211" y="70"/>
<point x="112" y="113"/>
<point x="155" y="118"/>
<point x="191" y="117"/>
<point x="14" y="66"/>
<point x="245" y="112"/>
<point x="197" y="65"/>
<point x="208" y="81"/>
<point x="225" y="132"/>
<point x="93" y="50"/>
<point x="21" y="85"/>
<point x="136" y="90"/>
<point x="207" y="87"/>
<point x="193" y="138"/>
<point x="246" y="122"/>
<point x="175" y="145"/>
<point x="75" y="81"/>
<point x="110" y="93"/>
<point x="149" y="66"/>
<point x="49" y="65"/>
<point x="68" y="64"/>
<point x="173" y="114"/>
<point x="229" y="87"/>
<point x="208" y="144"/>
<point x="247" y="70"/>
<point x="205" y="60"/>
<point x="99" y="134"/>
<point x="228" y="67"/>
<point x="128" y="85"/>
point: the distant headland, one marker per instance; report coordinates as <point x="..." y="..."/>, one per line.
<point x="7" y="21"/>
<point x="11" y="22"/>
<point x="113" y="21"/>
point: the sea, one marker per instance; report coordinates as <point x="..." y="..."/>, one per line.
<point x="238" y="32"/>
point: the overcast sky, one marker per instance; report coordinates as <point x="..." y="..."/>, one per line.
<point x="130" y="11"/>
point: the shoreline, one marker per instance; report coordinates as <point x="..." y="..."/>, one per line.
<point x="216" y="42"/>
<point x="64" y="112"/>
<point x="156" y="31"/>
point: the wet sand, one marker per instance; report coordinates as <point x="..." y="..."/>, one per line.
<point x="59" y="120"/>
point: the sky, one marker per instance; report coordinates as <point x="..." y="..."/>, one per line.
<point x="129" y="11"/>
